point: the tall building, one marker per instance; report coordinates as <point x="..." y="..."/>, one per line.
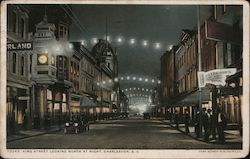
<point x="105" y="56"/>
<point x="221" y="47"/>
<point x="19" y="83"/>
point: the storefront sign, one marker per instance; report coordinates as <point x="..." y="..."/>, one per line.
<point x="222" y="32"/>
<point x="215" y="77"/>
<point x="19" y="46"/>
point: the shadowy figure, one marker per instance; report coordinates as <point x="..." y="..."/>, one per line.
<point x="221" y="125"/>
<point x="186" y="121"/>
<point x="176" y="119"/>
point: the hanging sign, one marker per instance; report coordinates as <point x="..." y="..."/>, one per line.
<point x="215" y="77"/>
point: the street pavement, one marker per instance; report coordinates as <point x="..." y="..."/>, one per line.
<point x="134" y="133"/>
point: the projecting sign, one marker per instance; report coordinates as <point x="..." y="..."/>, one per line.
<point x="215" y="77"/>
<point x="19" y="46"/>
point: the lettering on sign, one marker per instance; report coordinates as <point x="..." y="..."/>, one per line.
<point x="215" y="77"/>
<point x="19" y="46"/>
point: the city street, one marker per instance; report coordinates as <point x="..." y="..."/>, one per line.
<point x="134" y="133"/>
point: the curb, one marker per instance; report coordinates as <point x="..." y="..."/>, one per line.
<point x="29" y="136"/>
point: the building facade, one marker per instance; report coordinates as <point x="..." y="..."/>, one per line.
<point x="19" y="84"/>
<point x="221" y="47"/>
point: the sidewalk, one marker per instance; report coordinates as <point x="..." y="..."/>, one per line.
<point x="231" y="136"/>
<point x="21" y="134"/>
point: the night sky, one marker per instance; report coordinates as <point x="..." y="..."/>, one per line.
<point x="157" y="24"/>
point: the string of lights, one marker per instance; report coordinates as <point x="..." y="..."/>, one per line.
<point x="128" y="78"/>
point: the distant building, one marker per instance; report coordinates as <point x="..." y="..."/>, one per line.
<point x="168" y="79"/>
<point x="106" y="60"/>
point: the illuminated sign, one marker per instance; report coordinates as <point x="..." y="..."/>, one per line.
<point x="19" y="46"/>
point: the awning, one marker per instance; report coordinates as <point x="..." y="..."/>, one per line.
<point x="191" y="98"/>
<point x="86" y="102"/>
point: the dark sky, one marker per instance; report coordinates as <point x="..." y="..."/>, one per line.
<point x="162" y="24"/>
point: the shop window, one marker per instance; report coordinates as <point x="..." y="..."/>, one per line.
<point x="14" y="63"/>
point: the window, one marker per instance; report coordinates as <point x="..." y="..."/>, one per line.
<point x="224" y="8"/>
<point x="22" y="65"/>
<point x="63" y="32"/>
<point x="14" y="63"/>
<point x="215" y="11"/>
<point x="30" y="63"/>
<point x="22" y="28"/>
<point x="71" y="67"/>
<point x="14" y="21"/>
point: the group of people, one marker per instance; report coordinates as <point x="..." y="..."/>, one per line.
<point x="212" y="124"/>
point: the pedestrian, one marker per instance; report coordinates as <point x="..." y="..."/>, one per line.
<point x="176" y="119"/>
<point x="221" y="124"/>
<point x="204" y="119"/>
<point x="186" y="121"/>
<point x="197" y="124"/>
<point x="24" y="121"/>
<point x="209" y="125"/>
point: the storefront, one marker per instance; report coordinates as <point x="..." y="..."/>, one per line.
<point x="231" y="98"/>
<point x="18" y="108"/>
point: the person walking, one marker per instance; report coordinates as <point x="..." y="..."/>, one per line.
<point x="221" y="124"/>
<point x="186" y="121"/>
<point x="176" y="119"/>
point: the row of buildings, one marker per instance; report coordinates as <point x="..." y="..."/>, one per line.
<point x="48" y="77"/>
<point x="221" y="44"/>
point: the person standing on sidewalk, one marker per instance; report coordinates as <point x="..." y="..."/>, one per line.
<point x="176" y="119"/>
<point x="186" y="121"/>
<point x="221" y="125"/>
<point x="209" y="125"/>
<point x="197" y="124"/>
<point x="204" y="120"/>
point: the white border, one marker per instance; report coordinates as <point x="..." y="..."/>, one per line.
<point x="203" y="153"/>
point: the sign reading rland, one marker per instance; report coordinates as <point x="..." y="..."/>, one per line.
<point x="216" y="77"/>
<point x="19" y="46"/>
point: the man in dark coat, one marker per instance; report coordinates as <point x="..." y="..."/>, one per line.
<point x="176" y="119"/>
<point x="186" y="121"/>
<point x="221" y="124"/>
<point x="208" y="124"/>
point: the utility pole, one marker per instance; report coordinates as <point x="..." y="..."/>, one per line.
<point x="199" y="63"/>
